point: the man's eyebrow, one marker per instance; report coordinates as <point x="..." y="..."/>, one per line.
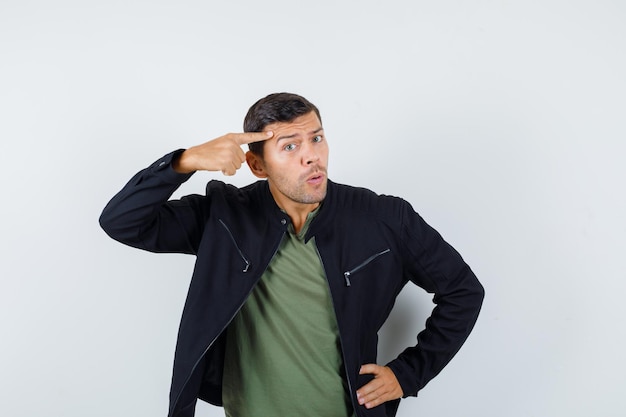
<point x="319" y="129"/>
<point x="286" y="137"/>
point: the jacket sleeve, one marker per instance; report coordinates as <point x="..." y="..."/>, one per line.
<point x="141" y="216"/>
<point x="439" y="269"/>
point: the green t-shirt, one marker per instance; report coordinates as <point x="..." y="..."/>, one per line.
<point x="283" y="355"/>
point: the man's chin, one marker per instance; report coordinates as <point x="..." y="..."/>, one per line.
<point x="316" y="197"/>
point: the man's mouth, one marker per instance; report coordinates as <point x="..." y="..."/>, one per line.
<point x="316" y="178"/>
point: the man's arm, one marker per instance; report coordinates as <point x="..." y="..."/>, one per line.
<point x="438" y="268"/>
<point x="141" y="216"/>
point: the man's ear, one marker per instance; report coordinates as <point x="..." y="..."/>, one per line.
<point x="255" y="162"/>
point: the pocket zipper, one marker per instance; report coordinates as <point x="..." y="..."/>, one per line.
<point x="347" y="274"/>
<point x="232" y="238"/>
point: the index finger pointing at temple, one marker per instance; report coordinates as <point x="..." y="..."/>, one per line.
<point x="249" y="137"/>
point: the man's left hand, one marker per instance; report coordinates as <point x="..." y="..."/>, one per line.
<point x="384" y="387"/>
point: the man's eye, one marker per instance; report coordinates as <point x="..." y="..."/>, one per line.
<point x="317" y="138"/>
<point x="290" y="147"/>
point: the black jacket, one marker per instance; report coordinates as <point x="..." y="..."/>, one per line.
<point x="370" y="247"/>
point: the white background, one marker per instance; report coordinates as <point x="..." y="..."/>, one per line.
<point x="503" y="123"/>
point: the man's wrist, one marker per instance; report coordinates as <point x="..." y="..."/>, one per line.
<point x="180" y="163"/>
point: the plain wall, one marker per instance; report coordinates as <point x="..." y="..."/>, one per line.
<point x="503" y="123"/>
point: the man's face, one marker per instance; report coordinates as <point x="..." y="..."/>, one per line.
<point x="295" y="161"/>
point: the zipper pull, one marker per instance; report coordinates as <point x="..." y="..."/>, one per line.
<point x="346" y="275"/>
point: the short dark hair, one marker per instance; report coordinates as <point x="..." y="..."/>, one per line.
<point x="276" y="107"/>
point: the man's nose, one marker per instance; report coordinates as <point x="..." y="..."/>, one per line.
<point x="310" y="155"/>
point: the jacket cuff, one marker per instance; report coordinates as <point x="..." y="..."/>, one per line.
<point x="164" y="169"/>
<point x="405" y="377"/>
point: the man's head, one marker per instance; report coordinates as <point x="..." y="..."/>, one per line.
<point x="277" y="107"/>
<point x="294" y="159"/>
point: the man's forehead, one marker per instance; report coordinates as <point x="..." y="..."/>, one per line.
<point x="306" y="123"/>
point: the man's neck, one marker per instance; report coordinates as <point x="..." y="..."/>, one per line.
<point x="297" y="212"/>
<point x="298" y="219"/>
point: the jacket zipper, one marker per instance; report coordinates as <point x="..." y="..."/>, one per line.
<point x="195" y="365"/>
<point x="232" y="238"/>
<point x="343" y="353"/>
<point x="347" y="274"/>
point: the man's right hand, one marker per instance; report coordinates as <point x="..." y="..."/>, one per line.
<point x="220" y="154"/>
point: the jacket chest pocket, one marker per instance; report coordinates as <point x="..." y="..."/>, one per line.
<point x="362" y="265"/>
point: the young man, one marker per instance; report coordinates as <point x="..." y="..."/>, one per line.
<point x="294" y="275"/>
